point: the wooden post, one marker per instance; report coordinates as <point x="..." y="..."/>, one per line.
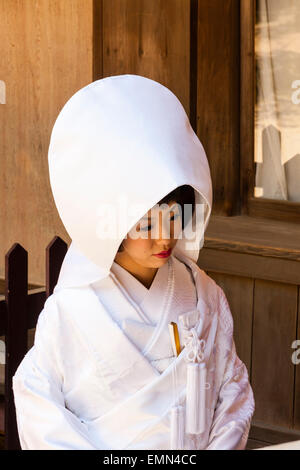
<point x="16" y="282"/>
<point x="55" y="253"/>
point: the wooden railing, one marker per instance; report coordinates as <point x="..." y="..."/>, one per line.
<point x="19" y="311"/>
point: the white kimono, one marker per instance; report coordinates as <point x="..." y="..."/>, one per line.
<point x="86" y="385"/>
<point x="102" y="373"/>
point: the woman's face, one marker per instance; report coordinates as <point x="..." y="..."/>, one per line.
<point x="150" y="236"/>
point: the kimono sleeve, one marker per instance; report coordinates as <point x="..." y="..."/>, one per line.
<point x="43" y="421"/>
<point x="235" y="405"/>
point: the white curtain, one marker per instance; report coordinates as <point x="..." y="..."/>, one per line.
<point x="277" y="108"/>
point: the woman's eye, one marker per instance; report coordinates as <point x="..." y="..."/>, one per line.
<point x="148" y="227"/>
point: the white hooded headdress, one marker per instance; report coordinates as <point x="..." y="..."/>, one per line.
<point x="118" y="146"/>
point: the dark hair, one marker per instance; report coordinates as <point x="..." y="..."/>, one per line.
<point x="182" y="195"/>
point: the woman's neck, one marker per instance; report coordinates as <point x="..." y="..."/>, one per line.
<point x="143" y="274"/>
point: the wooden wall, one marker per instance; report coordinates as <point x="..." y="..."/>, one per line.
<point x="149" y="38"/>
<point x="263" y="294"/>
<point x="51" y="48"/>
<point x="46" y="56"/>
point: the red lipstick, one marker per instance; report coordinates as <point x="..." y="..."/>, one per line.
<point x="163" y="254"/>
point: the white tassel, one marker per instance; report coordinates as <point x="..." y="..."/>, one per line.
<point x="177" y="428"/>
<point x="195" y="398"/>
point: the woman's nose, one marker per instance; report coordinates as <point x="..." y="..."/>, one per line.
<point x="164" y="232"/>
